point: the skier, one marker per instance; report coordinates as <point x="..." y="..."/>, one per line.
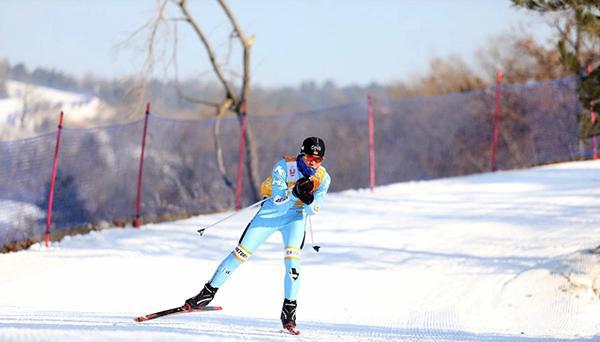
<point x="283" y="211"/>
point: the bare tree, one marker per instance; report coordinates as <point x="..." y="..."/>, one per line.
<point x="446" y="76"/>
<point x="235" y="95"/>
<point x="521" y="59"/>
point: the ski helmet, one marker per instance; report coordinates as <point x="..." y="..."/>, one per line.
<point x="313" y="146"/>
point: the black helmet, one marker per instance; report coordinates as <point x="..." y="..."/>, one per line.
<point x="313" y="146"/>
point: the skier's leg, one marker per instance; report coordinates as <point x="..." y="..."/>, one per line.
<point x="257" y="231"/>
<point x="255" y="234"/>
<point x="293" y="239"/>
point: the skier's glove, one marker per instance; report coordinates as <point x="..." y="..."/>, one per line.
<point x="303" y="190"/>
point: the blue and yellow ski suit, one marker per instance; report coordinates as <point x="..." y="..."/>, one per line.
<point x="282" y="212"/>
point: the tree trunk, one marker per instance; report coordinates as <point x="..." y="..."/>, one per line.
<point x="251" y="162"/>
<point x="218" y="149"/>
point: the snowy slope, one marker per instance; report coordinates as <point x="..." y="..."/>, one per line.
<point x="494" y="257"/>
<point x="32" y="109"/>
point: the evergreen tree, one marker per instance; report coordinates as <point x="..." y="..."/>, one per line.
<point x="579" y="48"/>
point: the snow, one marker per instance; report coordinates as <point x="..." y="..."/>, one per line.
<point x="42" y="105"/>
<point x="17" y="219"/>
<point x="495" y="257"/>
<point x="8" y="213"/>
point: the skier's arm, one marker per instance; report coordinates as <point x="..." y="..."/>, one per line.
<point x="280" y="196"/>
<point x="319" y="194"/>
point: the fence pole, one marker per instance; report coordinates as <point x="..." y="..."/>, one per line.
<point x="138" y="202"/>
<point x="371" y="143"/>
<point x="240" y="170"/>
<point x="496" y="119"/>
<point x="53" y="180"/>
<point x="593" y="121"/>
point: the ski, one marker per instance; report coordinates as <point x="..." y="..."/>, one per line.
<point x="173" y="311"/>
<point x="290" y="330"/>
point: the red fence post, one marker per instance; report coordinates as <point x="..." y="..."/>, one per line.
<point x="53" y="180"/>
<point x="240" y="170"/>
<point x="138" y="202"/>
<point x="593" y="120"/>
<point x="371" y="143"/>
<point x="496" y="119"/>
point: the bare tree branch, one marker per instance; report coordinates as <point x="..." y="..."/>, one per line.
<point x="211" y="54"/>
<point x="178" y="83"/>
<point x="247" y="44"/>
<point x="138" y="91"/>
<point x="564" y="32"/>
<point x="220" y="109"/>
<point x="251" y="162"/>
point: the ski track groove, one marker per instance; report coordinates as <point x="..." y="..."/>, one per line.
<point x="432" y="326"/>
<point x="48" y="327"/>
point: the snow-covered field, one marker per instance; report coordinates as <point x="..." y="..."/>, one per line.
<point x="29" y="108"/>
<point x="493" y="257"/>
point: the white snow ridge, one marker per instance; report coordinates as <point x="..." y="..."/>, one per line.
<point x="30" y="110"/>
<point x="493" y="257"/>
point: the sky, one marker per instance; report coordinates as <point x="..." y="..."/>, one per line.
<point x="345" y="41"/>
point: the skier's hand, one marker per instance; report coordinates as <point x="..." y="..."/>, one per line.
<point x="303" y="190"/>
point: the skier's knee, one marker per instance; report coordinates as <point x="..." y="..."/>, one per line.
<point x="292" y="253"/>
<point x="241" y="253"/>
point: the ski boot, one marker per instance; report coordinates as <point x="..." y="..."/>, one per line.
<point x="201" y="299"/>
<point x="288" y="316"/>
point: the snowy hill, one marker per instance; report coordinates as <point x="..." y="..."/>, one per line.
<point x="494" y="257"/>
<point x="31" y="109"/>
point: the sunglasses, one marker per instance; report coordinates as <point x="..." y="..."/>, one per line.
<point x="310" y="158"/>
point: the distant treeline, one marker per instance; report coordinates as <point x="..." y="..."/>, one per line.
<point x="166" y="100"/>
<point x="518" y="55"/>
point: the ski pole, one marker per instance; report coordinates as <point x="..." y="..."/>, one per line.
<point x="201" y="230"/>
<point x="312" y="238"/>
